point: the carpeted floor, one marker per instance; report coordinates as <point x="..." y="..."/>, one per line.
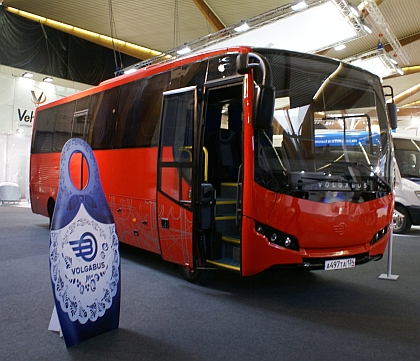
<point x="288" y="315"/>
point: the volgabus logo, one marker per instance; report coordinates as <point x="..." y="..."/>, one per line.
<point x="85" y="247"/>
<point x="84" y="267"/>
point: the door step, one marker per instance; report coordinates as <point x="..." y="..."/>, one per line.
<point x="225" y="220"/>
<point x="226" y="263"/>
<point x="231" y="239"/>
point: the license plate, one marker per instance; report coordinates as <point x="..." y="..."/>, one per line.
<point x="340" y="264"/>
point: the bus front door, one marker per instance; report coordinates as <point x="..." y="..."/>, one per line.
<point x="175" y="176"/>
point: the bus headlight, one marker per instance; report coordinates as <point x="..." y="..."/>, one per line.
<point x="277" y="237"/>
<point x="379" y="235"/>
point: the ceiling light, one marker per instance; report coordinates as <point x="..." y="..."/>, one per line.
<point x="27" y="74"/>
<point x="378" y="63"/>
<point x="130" y="71"/>
<point x="339" y="47"/>
<point x="48" y="79"/>
<point x="184" y="50"/>
<point x="322" y="25"/>
<point x="317" y="33"/>
<point x="366" y="26"/>
<point x="354" y="10"/>
<point x="243" y="26"/>
<point x="300" y="5"/>
<point x="393" y="61"/>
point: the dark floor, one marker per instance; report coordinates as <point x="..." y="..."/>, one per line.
<point x="334" y="315"/>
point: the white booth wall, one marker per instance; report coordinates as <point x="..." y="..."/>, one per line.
<point x="18" y="101"/>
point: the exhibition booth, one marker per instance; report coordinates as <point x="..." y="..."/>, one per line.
<point x="20" y="97"/>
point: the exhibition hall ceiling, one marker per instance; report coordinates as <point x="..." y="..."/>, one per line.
<point x="164" y="25"/>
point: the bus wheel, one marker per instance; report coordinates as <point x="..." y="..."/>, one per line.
<point x="50" y="209"/>
<point x="196" y="276"/>
<point x="401" y="220"/>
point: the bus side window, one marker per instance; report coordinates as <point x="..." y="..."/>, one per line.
<point x="101" y="134"/>
<point x="43" y="131"/>
<point x="80" y="119"/>
<point x="79" y="124"/>
<point x="63" y="125"/>
<point x="138" y="112"/>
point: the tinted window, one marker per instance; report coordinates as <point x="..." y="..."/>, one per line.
<point x="103" y="119"/>
<point x="63" y="125"/>
<point x="44" y="131"/>
<point x="139" y="110"/>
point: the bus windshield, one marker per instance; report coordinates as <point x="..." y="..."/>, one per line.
<point x="329" y="140"/>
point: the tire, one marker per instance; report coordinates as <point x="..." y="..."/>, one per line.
<point x="197" y="276"/>
<point x="401" y="221"/>
<point x="50" y="210"/>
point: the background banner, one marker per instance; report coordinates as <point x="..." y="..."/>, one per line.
<point x="84" y="249"/>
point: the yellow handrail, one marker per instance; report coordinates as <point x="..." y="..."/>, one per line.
<point x="206" y="160"/>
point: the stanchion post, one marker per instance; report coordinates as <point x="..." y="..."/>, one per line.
<point x="389" y="275"/>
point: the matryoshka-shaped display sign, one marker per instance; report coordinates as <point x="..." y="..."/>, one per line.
<point x="84" y="251"/>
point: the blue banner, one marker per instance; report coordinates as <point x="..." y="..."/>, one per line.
<point x="84" y="253"/>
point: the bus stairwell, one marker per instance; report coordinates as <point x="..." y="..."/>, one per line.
<point x="223" y="139"/>
<point x="227" y="228"/>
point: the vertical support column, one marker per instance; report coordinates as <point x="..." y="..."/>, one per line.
<point x="389" y="275"/>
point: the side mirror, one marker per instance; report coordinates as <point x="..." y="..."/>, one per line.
<point x="391" y="107"/>
<point x="392" y="113"/>
<point x="264" y="92"/>
<point x="264" y="98"/>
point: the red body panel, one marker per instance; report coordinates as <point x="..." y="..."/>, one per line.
<point x="176" y="241"/>
<point x="321" y="226"/>
<point x="128" y="177"/>
<point x="323" y="230"/>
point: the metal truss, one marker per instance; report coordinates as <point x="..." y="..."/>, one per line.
<point x="380" y="21"/>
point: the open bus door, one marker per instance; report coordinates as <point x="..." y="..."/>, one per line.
<point x="175" y="175"/>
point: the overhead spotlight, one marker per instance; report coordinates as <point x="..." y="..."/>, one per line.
<point x="366" y="25"/>
<point x="339" y="47"/>
<point x="393" y="61"/>
<point x="27" y="74"/>
<point x="241" y="27"/>
<point x="299" y="5"/>
<point x="48" y="79"/>
<point x="354" y="10"/>
<point x="130" y="71"/>
<point x="184" y="50"/>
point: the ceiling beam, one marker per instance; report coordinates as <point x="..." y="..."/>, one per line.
<point x="406" y="70"/>
<point x="125" y="47"/>
<point x="408" y="112"/>
<point x="210" y="15"/>
<point x="407" y="94"/>
<point x="404" y="41"/>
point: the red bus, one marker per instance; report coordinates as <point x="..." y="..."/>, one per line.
<point x="216" y="160"/>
